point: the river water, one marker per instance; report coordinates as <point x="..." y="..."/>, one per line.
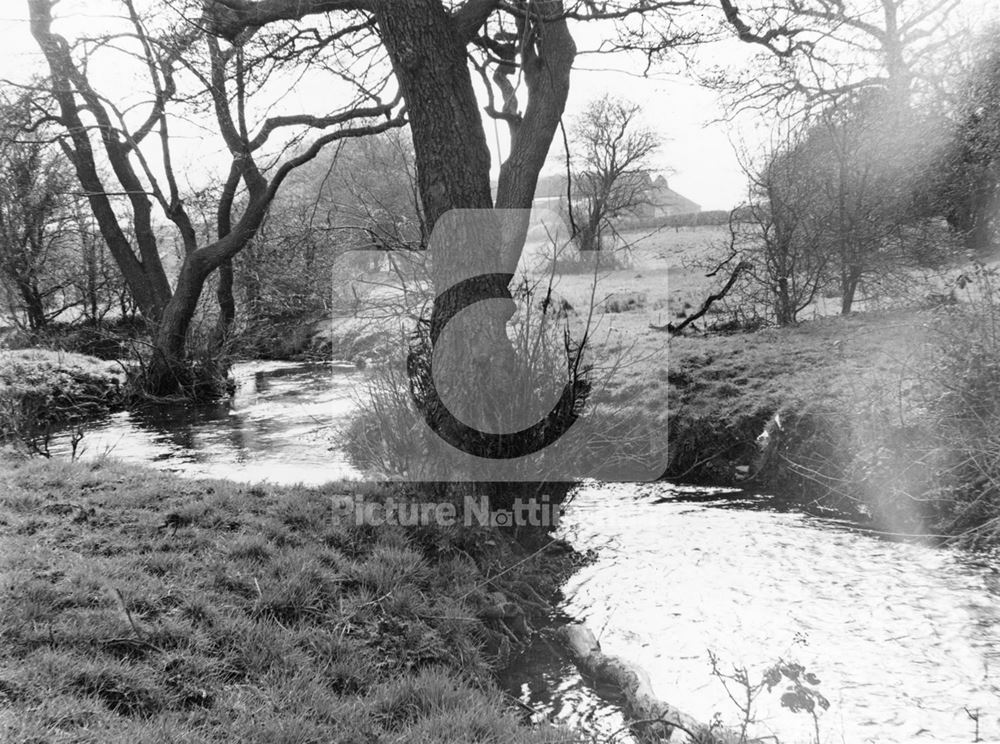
<point x="903" y="637"/>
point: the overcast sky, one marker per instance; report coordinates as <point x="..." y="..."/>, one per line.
<point x="698" y="155"/>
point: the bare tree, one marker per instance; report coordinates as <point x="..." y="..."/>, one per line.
<point x="523" y="52"/>
<point x="776" y="240"/>
<point x="96" y="129"/>
<point x="965" y="184"/>
<point x="820" y="50"/>
<point x="851" y="73"/>
<point x="354" y="201"/>
<point x="612" y="151"/>
<point x="37" y="269"/>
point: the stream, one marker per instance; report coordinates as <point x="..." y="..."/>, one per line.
<point x="903" y="637"/>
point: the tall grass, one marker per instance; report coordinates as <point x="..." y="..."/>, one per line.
<point x="551" y="353"/>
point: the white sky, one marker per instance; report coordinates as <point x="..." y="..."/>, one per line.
<point x="697" y="152"/>
<point x="697" y="155"/>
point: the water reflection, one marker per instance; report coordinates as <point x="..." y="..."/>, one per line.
<point x="283" y="424"/>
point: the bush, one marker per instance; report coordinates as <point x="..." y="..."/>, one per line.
<point x="965" y="414"/>
<point x="612" y="438"/>
<point x="920" y="449"/>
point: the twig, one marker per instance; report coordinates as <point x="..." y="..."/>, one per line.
<point x="709" y="301"/>
<point x="135" y="628"/>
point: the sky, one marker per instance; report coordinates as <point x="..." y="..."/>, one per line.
<point x="698" y="156"/>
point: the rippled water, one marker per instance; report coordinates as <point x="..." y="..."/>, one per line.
<point x="903" y="637"/>
<point x="281" y="425"/>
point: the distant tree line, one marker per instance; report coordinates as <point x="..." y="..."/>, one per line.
<point x="884" y="162"/>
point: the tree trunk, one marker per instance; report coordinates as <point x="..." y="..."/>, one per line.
<point x="429" y="58"/>
<point x="169" y="371"/>
<point x="546" y="70"/>
<point x="784" y="311"/>
<point x="473" y="355"/>
<point x="34" y="307"/>
<point x="227" y="306"/>
<point x="849" y="286"/>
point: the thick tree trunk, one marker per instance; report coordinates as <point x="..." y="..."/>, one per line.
<point x="473" y="355"/>
<point x="429" y="58"/>
<point x="169" y="371"/>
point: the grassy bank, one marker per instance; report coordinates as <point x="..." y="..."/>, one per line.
<point x="42" y="389"/>
<point x="722" y="390"/>
<point x="887" y="415"/>
<point x="139" y="607"/>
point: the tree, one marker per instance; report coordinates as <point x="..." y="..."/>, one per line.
<point x="612" y="152"/>
<point x="355" y="199"/>
<point x="778" y="239"/>
<point x="851" y="73"/>
<point x="966" y="183"/>
<point x="42" y="256"/>
<point x="522" y="50"/>
<point x="421" y="46"/>
<point x="863" y="182"/>
<point x="95" y="127"/>
<point x="833" y="205"/>
<point x="821" y="50"/>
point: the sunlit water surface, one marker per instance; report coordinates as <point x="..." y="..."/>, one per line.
<point x="903" y="637"/>
<point x="283" y="424"/>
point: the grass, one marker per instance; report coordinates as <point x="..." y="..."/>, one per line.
<point x="722" y="390"/>
<point x="138" y="607"/>
<point x="888" y="416"/>
<point x="851" y="405"/>
<point x="41" y="388"/>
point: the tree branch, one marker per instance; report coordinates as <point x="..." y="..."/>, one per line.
<point x="674" y="330"/>
<point x="229" y="18"/>
<point x="471" y="16"/>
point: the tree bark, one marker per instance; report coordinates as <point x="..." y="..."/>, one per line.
<point x="849" y="286"/>
<point x="472" y="357"/>
<point x="34" y="306"/>
<point x="785" y="309"/>
<point x="546" y="67"/>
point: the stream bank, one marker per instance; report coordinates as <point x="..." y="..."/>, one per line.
<point x="875" y="415"/>
<point x="901" y="635"/>
<point x="138" y="602"/>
